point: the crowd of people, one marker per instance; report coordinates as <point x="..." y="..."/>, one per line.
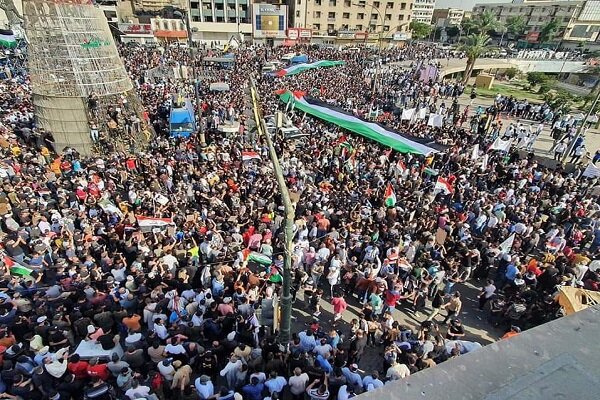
<point x="152" y="273"/>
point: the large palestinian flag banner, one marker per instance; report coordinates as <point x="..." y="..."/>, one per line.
<point x="299" y="68"/>
<point x="389" y="138"/>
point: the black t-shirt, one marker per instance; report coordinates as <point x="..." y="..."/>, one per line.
<point x="454" y="330"/>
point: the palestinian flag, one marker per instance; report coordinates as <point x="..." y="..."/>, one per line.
<point x="387" y="137"/>
<point x="444" y="186"/>
<point x="250" y="155"/>
<point x="16" y="268"/>
<point x="299" y="68"/>
<point x="150" y="222"/>
<point x="7" y="38"/>
<point x="389" y="197"/>
<point x="258" y="258"/>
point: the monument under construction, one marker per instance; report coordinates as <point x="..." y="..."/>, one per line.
<point x="77" y="75"/>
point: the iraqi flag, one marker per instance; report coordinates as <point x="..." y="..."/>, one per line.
<point x="389" y="197"/>
<point x="250" y="155"/>
<point x="7" y="38"/>
<point x="401" y="167"/>
<point x="148" y="223"/>
<point x="443" y="185"/>
<point x="16" y="268"/>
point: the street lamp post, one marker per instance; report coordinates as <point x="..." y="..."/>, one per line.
<point x="377" y="65"/>
<point x="570" y="148"/>
<point x="183" y="15"/>
<point x="290" y="213"/>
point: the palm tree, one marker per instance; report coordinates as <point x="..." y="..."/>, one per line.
<point x="486" y="22"/>
<point x="515" y="25"/>
<point x="474" y="46"/>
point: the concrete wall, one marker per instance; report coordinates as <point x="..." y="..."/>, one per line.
<point x="66" y="118"/>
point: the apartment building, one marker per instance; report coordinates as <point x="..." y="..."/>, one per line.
<point x="447" y="16"/>
<point x="423" y="11"/>
<point x="344" y="18"/>
<point x="579" y="20"/>
<point x="157" y="5"/>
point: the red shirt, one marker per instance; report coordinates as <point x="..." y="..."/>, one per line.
<point x="99" y="370"/>
<point x="79" y="369"/>
<point x="391" y="297"/>
<point x="339" y="305"/>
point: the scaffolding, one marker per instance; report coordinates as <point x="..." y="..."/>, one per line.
<point x="72" y="55"/>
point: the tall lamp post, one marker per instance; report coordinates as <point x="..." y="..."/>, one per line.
<point x="570" y="148"/>
<point x="377" y="66"/>
<point x="183" y="15"/>
<point x="290" y="213"/>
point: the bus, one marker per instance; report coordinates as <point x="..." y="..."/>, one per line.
<point x="182" y="121"/>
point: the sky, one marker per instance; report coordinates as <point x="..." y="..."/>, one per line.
<point x="465" y="4"/>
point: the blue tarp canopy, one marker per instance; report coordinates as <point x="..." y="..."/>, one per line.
<point x="301" y="58"/>
<point x="180" y="116"/>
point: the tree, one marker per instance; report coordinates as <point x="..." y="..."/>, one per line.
<point x="536" y="78"/>
<point x="487" y="22"/>
<point x="420" y="30"/>
<point x="473" y="47"/>
<point x="549" y="30"/>
<point x="453" y="31"/>
<point x="511" y="72"/>
<point x="515" y="25"/>
<point x="468" y="26"/>
<point x="560" y="100"/>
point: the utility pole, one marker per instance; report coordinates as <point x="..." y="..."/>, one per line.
<point x="186" y="20"/>
<point x="290" y="213"/>
<point x="581" y="128"/>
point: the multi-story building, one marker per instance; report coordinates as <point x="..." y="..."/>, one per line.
<point x="157" y="5"/>
<point x="447" y="16"/>
<point x="345" y="18"/>
<point x="578" y="20"/>
<point x="219" y="20"/>
<point x="423" y="11"/>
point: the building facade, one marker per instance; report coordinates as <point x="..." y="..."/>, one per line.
<point x="578" y="20"/>
<point x="447" y="16"/>
<point x="349" y="17"/>
<point x="423" y="11"/>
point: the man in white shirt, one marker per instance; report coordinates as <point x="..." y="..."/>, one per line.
<point x="160" y="329"/>
<point x="298" y="383"/>
<point x="204" y="387"/>
<point x="139" y="392"/>
<point x="397" y="371"/>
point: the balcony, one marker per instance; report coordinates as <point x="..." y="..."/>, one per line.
<point x="329" y="19"/>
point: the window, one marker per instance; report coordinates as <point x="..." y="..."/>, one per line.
<point x="331" y="15"/>
<point x="361" y="3"/>
<point x="401" y="17"/>
<point x="346" y="15"/>
<point x="360" y="16"/>
<point x="332" y="3"/>
<point x="386" y="28"/>
<point x="330" y="27"/>
<point x="359" y="27"/>
<point x="403" y="6"/>
<point x="388" y="17"/>
<point x="317" y="2"/>
<point x="317" y="14"/>
<point x="373" y="17"/>
<point x="389" y="5"/>
<point x="376" y="4"/>
<point x="347" y="3"/>
<point x="297" y="14"/>
<point x="317" y="27"/>
<point x="372" y="28"/>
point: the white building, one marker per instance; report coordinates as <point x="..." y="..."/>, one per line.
<point x="423" y="11"/>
